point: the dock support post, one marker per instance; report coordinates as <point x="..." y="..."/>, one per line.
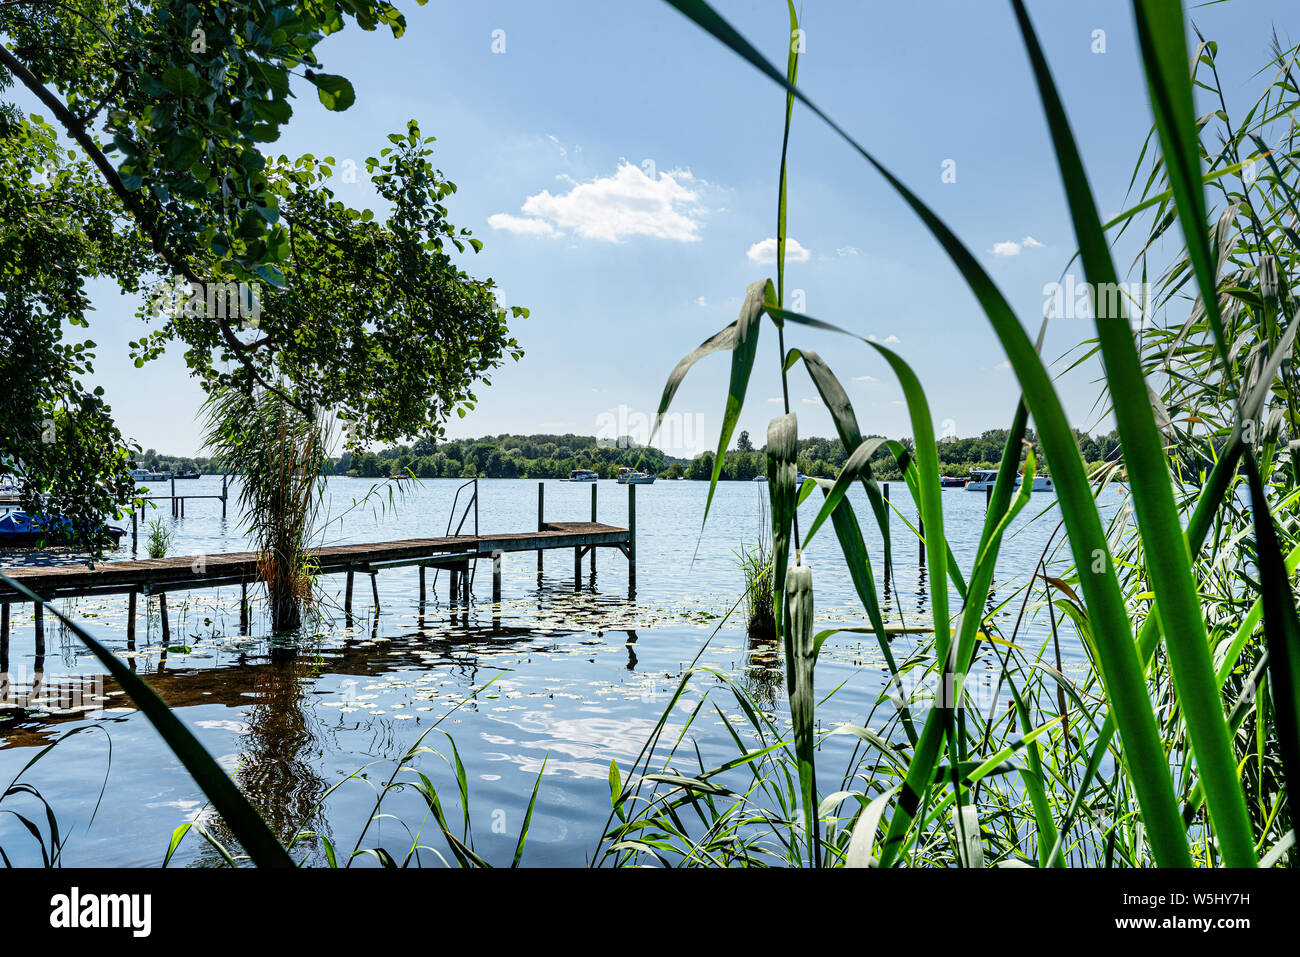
<point x="243" y="608"/>
<point x="4" y="637"/>
<point x="464" y="586"/>
<point x="921" y="525"/>
<point x="631" y="540"/>
<point x="593" y="520"/>
<point x="130" y="619"/>
<point x="135" y="531"/>
<point x="182" y="506"/>
<point x="162" y="615"/>
<point x="347" y="596"/>
<point x="496" y="577"/>
<point x="453" y="587"/>
<point x="541" y="521"/>
<point x="577" y="567"/>
<point x="374" y="589"/>
<point x="173" y="496"/>
<point x="39" y="609"/>
<point x="421" y="584"/>
<point x="988" y="496"/>
<point x="223" y="494"/>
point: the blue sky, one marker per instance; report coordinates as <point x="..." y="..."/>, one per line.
<point x="621" y="168"/>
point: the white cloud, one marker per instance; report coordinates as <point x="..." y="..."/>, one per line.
<point x="865" y="378"/>
<point x="1010" y="247"/>
<point x="701" y="301"/>
<point x="521" y="225"/>
<point x="612" y="208"/>
<point x="848" y="251"/>
<point x="1006" y="364"/>
<point x="765" y="251"/>
<point x="888" y="341"/>
<point x="811" y="401"/>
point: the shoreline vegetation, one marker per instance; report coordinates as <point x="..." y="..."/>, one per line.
<point x="553" y="456"/>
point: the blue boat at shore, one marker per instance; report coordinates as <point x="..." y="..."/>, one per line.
<point x="20" y="530"/>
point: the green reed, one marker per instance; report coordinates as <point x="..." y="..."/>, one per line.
<point x="1073" y="770"/>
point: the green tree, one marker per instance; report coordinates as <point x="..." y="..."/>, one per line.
<point x="169" y="106"/>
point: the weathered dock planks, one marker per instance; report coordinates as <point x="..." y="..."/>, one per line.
<point x="157" y="575"/>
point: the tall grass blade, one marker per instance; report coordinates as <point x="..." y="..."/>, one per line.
<point x="1144" y="754"/>
<point x="1162" y="37"/>
<point x="1281" y="631"/>
<point x="1168" y="561"/>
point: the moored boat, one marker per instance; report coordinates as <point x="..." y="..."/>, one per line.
<point x="20" y="530"/>
<point x="947" y="481"/>
<point x="581" y="475"/>
<point x="981" y="479"/>
<point x="630" y="476"/>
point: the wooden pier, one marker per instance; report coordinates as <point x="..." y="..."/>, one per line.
<point x="456" y="553"/>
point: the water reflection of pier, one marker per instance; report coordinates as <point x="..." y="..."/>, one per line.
<point x="268" y="665"/>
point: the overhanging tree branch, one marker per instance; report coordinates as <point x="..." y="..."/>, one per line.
<point x="144" y="219"/>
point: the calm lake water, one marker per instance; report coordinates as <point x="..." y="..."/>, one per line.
<point x="570" y="678"/>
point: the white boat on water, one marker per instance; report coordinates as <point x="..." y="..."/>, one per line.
<point x="981" y="479"/>
<point x="630" y="476"/>
<point x="581" y="475"/>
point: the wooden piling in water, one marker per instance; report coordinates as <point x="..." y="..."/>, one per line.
<point x="577" y="567"/>
<point x="988" y="496"/>
<point x="421" y="584"/>
<point x="541" y="520"/>
<point x="243" y="608"/>
<point x="347" y="597"/>
<point x="173" y="496"/>
<point x="593" y="518"/>
<point x="134" y="531"/>
<point x="162" y="615"/>
<point x="886" y="529"/>
<point x="374" y="588"/>
<point x="4" y="637"/>
<point x="921" y="526"/>
<point x="223" y="494"/>
<point x="631" y="541"/>
<point x="130" y="619"/>
<point x="39" y="610"/>
<point x="496" y="577"/>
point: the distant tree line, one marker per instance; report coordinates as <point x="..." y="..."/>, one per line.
<point x="824" y="458"/>
<point x="555" y="456"/>
<point x="504" y="456"/>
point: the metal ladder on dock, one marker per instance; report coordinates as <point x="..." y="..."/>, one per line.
<point x="451" y="517"/>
